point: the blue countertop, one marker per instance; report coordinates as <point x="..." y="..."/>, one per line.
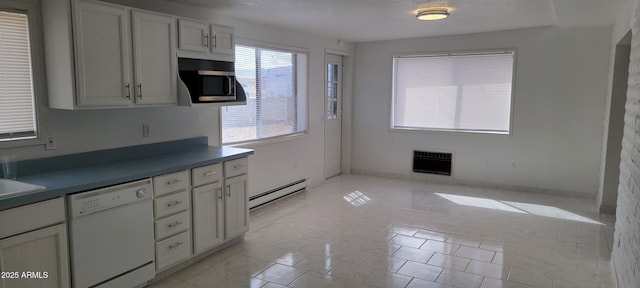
<point x="78" y="177"/>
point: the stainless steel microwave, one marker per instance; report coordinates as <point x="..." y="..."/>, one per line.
<point x="208" y="80"/>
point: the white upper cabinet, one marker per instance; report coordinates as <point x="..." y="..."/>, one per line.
<point x="120" y="57"/>
<point x="222" y="40"/>
<point x="154" y="42"/>
<point x="194" y="36"/>
<point x="197" y="39"/>
<point x="103" y="65"/>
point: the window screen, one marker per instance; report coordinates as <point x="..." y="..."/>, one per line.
<point x="17" y="110"/>
<point x="274" y="82"/>
<point x="454" y="92"/>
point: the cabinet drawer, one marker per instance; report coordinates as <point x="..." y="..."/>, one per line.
<point x="206" y="174"/>
<point x="171" y="182"/>
<point x="173" y="250"/>
<point x="30" y="217"/>
<point x="171" y="204"/>
<point x="236" y="167"/>
<point x="172" y="225"/>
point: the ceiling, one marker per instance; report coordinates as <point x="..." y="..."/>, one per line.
<point x="371" y="20"/>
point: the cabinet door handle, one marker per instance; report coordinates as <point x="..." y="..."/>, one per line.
<point x="172" y="246"/>
<point x="229" y="190"/>
<point x="215" y="42"/>
<point x="128" y="86"/>
<point x="174" y="203"/>
<point x="205" y="39"/>
<point x="219" y="193"/>
<point x="178" y="223"/>
<point x="174" y="181"/>
<point x="210" y="173"/>
<point x="140" y="87"/>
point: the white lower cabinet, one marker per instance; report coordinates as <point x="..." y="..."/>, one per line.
<point x="192" y="218"/>
<point x="33" y="246"/>
<point x="220" y="205"/>
<point x="208" y="214"/>
<point x="236" y="216"/>
<point x="173" y="250"/>
<point x="172" y="219"/>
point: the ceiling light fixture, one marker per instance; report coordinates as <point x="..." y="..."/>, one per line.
<point x="432" y="14"/>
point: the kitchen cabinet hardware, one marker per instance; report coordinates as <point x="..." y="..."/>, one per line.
<point x="177" y="223"/>
<point x="172" y="246"/>
<point x="229" y="190"/>
<point x="219" y="193"/>
<point x="210" y="173"/>
<point x="206" y="40"/>
<point x="140" y="94"/>
<point x="215" y="41"/>
<point x="128" y="86"/>
<point x="174" y="203"/>
<point x="174" y="181"/>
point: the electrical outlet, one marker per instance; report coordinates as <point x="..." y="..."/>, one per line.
<point x="146" y="133"/>
<point x="51" y="142"/>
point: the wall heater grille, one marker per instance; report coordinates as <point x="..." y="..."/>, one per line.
<point x="432" y="162"/>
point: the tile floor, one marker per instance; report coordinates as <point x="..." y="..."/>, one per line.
<point x="363" y="231"/>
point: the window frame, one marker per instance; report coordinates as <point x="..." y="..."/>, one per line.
<point x="392" y="128"/>
<point x="280" y="138"/>
<point x="32" y="9"/>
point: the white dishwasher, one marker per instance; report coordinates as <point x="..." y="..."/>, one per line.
<point x="111" y="236"/>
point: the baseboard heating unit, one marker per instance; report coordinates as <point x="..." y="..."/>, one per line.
<point x="277" y="193"/>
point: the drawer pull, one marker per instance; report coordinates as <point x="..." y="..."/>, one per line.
<point x="172" y="246"/>
<point x="210" y="173"/>
<point x="174" y="181"/>
<point x="178" y="223"/>
<point x="237" y="166"/>
<point x="174" y="203"/>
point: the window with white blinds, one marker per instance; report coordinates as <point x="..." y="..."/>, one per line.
<point x="275" y="84"/>
<point x="454" y="92"/>
<point x="17" y="107"/>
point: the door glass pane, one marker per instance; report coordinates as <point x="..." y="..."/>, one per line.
<point x="332" y="90"/>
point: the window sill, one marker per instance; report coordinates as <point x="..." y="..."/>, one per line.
<point x="20" y="143"/>
<point x="446" y="131"/>
<point x="268" y="141"/>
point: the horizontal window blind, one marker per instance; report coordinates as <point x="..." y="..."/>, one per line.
<point x="270" y="80"/>
<point x="467" y="92"/>
<point x="17" y="111"/>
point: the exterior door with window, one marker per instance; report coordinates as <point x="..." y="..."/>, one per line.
<point x="333" y="115"/>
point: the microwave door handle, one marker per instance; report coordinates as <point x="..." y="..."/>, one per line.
<point x="231" y="88"/>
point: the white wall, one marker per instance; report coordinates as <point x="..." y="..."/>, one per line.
<point x="608" y="171"/>
<point x="560" y="89"/>
<point x="272" y="164"/>
<point x="626" y="244"/>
